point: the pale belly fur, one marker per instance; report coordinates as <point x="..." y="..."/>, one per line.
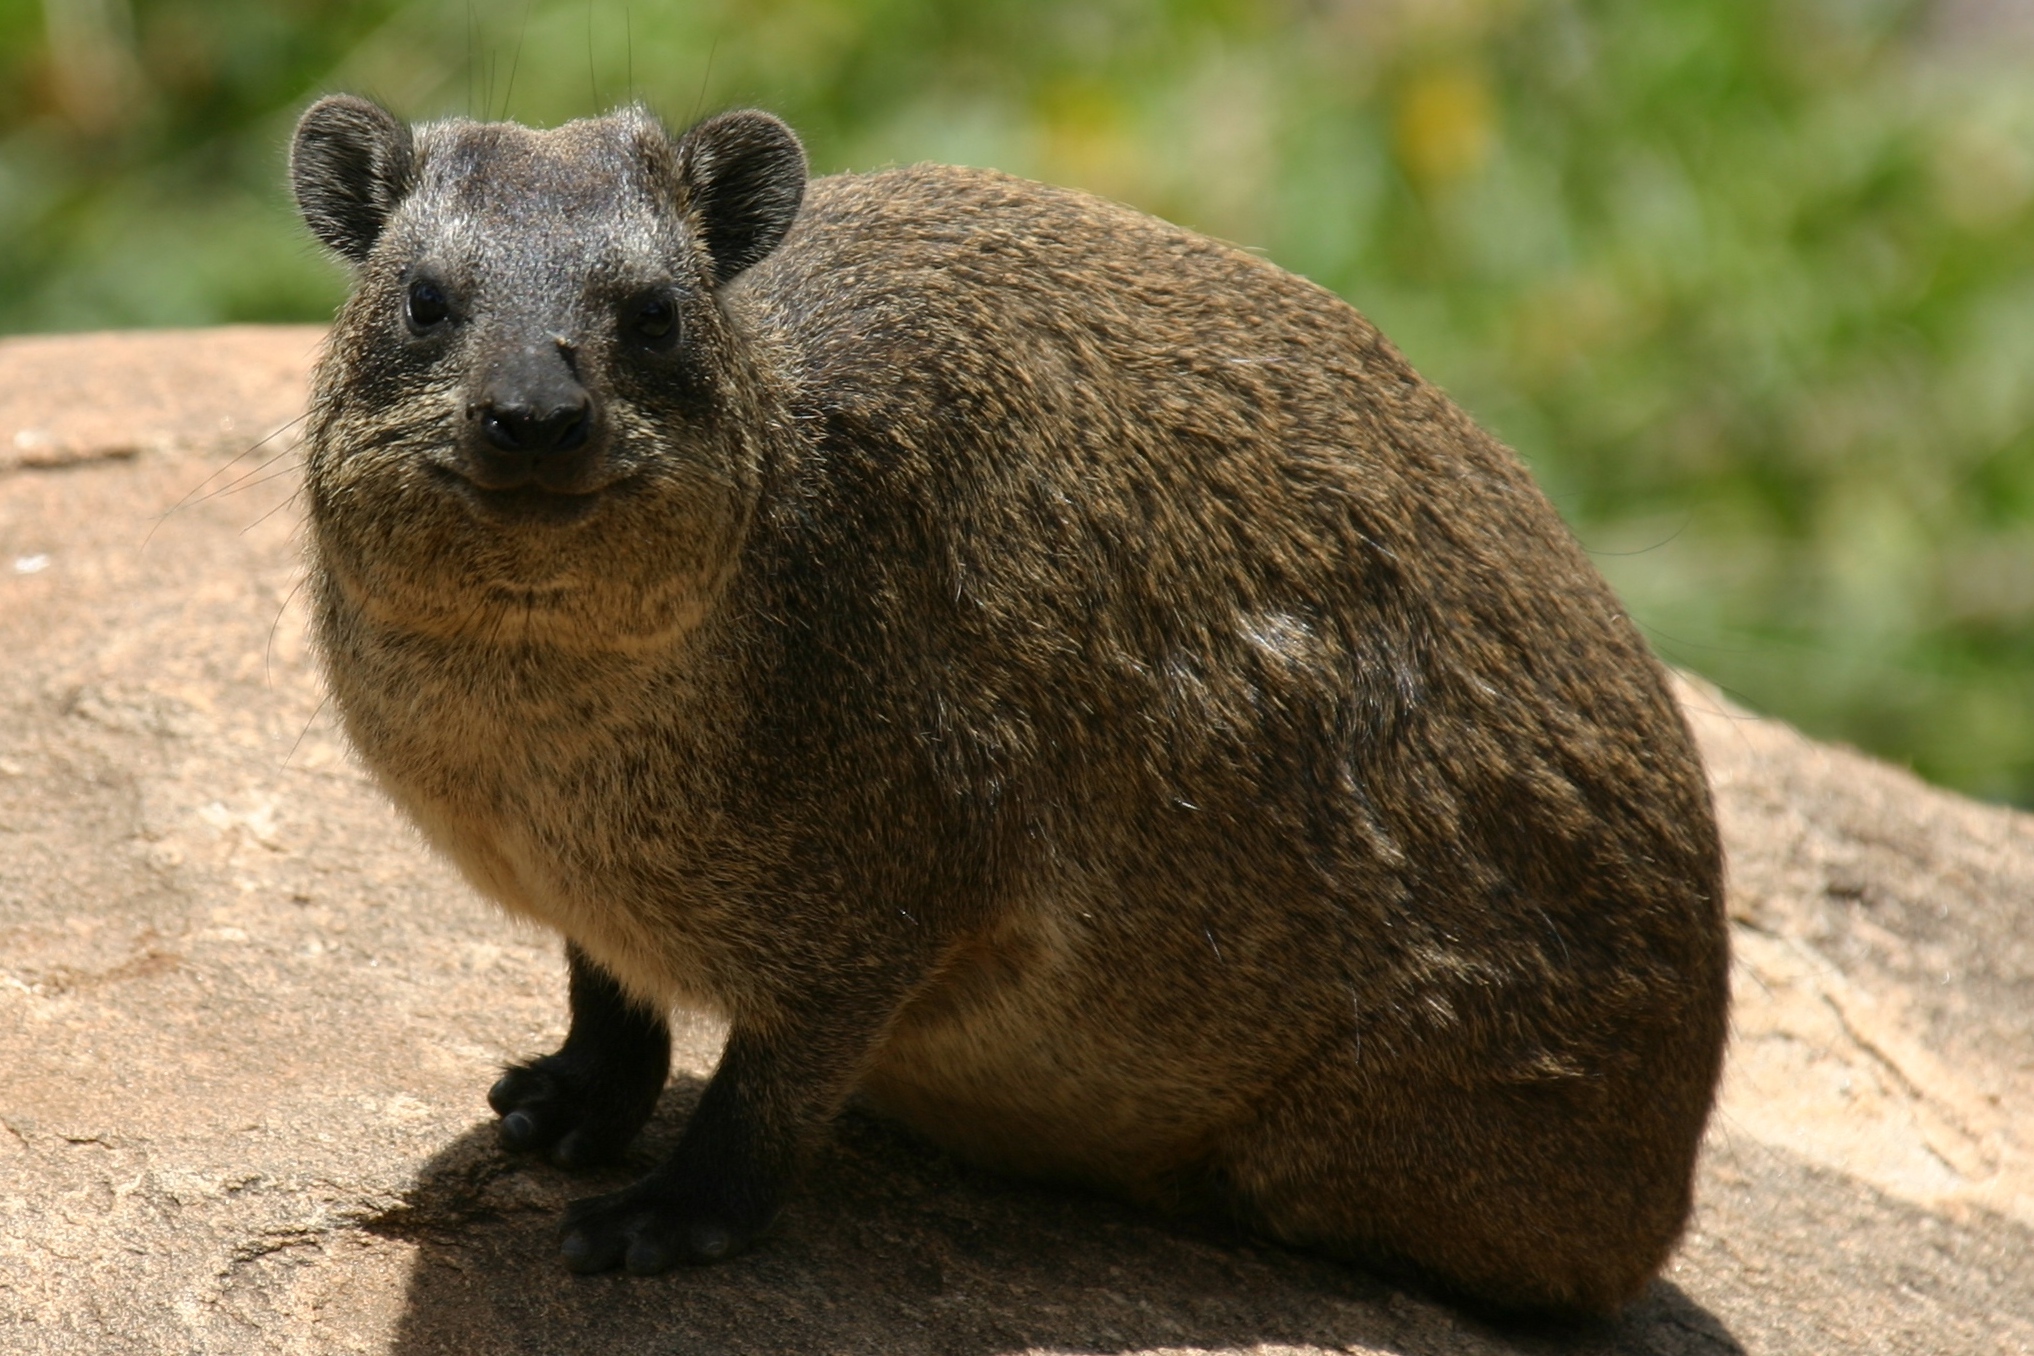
<point x="988" y="1060"/>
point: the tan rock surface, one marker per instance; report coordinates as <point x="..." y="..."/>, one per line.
<point x="246" y="1023"/>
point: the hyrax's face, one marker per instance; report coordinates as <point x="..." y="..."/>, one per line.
<point x="533" y="422"/>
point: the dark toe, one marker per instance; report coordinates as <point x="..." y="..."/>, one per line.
<point x="647" y="1256"/>
<point x="579" y="1150"/>
<point x="518" y="1130"/>
<point x="591" y="1250"/>
<point x="515" y="1087"/>
<point x="710" y="1242"/>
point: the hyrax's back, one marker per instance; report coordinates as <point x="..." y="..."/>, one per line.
<point x="1348" y="866"/>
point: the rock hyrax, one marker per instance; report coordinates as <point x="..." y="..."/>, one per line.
<point x="1051" y="673"/>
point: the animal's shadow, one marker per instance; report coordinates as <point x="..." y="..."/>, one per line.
<point x="893" y="1247"/>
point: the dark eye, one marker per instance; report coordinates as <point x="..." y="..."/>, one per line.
<point x="426" y="306"/>
<point x="652" y="319"/>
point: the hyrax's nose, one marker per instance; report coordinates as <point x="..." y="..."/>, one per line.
<point x="531" y="422"/>
<point x="537" y="426"/>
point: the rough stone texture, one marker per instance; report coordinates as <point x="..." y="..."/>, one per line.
<point x="247" y="1023"/>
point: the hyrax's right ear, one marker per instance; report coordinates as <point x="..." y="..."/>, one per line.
<point x="743" y="176"/>
<point x="350" y="166"/>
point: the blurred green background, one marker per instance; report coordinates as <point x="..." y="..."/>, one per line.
<point x="1751" y="285"/>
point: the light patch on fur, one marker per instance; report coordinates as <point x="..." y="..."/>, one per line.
<point x="1280" y="636"/>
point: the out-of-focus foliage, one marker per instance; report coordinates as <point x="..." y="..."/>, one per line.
<point x="1749" y="282"/>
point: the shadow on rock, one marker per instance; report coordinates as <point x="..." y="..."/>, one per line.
<point x="893" y="1247"/>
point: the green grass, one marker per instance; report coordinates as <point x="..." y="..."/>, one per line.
<point x="1750" y="285"/>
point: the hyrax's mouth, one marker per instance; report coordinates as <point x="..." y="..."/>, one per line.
<point x="521" y="505"/>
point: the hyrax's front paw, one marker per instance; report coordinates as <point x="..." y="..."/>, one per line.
<point x="577" y="1112"/>
<point x="655" y="1224"/>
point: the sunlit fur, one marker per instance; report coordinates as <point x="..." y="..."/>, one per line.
<point x="1057" y="674"/>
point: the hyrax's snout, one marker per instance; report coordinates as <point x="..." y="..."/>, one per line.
<point x="530" y="422"/>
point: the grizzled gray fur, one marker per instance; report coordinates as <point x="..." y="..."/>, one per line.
<point x="1054" y="674"/>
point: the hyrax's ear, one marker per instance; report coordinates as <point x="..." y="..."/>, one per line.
<point x="350" y="166"/>
<point x="742" y="175"/>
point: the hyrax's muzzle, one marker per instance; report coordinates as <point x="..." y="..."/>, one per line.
<point x="531" y="424"/>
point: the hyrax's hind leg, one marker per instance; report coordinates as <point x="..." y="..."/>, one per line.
<point x="1559" y="1197"/>
<point x="582" y="1105"/>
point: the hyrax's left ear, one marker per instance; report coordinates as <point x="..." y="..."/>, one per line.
<point x="742" y="175"/>
<point x="350" y="166"/>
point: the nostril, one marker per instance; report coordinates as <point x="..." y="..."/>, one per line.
<point x="504" y="428"/>
<point x="573" y="426"/>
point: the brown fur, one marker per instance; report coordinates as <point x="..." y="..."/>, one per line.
<point x="1057" y="674"/>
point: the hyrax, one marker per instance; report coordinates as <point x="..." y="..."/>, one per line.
<point x="1053" y="674"/>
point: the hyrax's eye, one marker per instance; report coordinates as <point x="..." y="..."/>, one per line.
<point x="426" y="305"/>
<point x="651" y="320"/>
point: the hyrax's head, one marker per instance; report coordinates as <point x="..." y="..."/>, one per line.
<point x="535" y="419"/>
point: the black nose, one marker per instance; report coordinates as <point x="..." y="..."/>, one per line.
<point x="543" y="428"/>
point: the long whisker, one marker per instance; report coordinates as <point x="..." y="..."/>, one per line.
<point x="509" y="93"/>
<point x="241" y="486"/>
<point x="307" y="728"/>
<point x="243" y="480"/>
<point x="268" y="649"/>
<point x="187" y="501"/>
<point x="284" y="503"/>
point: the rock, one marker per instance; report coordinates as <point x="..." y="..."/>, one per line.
<point x="248" y="1022"/>
<point x="81" y="397"/>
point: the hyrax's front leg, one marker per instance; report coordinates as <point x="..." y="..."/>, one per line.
<point x="582" y="1105"/>
<point x="778" y="1083"/>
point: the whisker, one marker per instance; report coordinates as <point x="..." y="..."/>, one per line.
<point x="252" y="448"/>
<point x="322" y="701"/>
<point x="284" y="503"/>
<point x="242" y="486"/>
<point x="699" y="99"/>
<point x="243" y="480"/>
<point x="508" y="94"/>
<point x="268" y="649"/>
